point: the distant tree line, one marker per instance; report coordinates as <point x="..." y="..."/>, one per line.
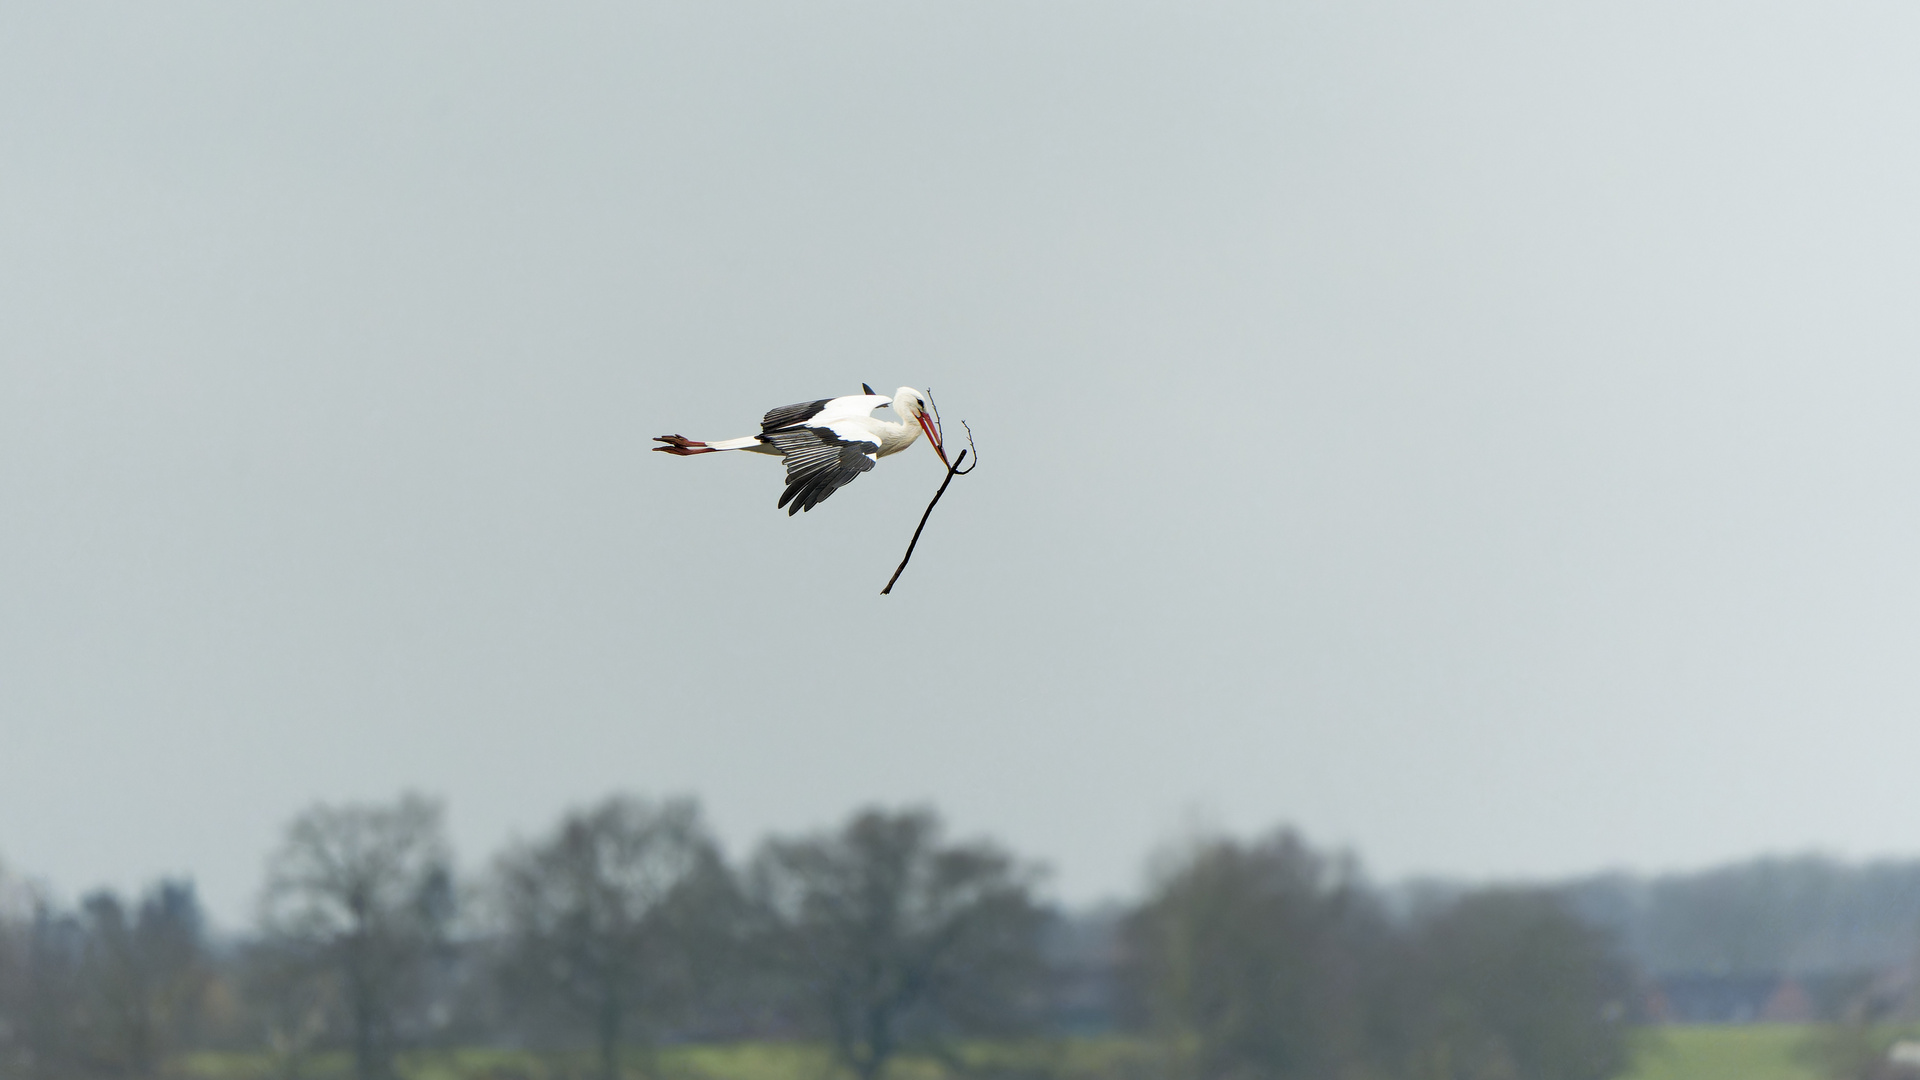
<point x="1807" y="915"/>
<point x="626" y="928"/>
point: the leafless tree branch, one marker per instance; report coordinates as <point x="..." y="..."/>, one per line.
<point x="953" y="470"/>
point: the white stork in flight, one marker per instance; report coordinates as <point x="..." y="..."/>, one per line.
<point x="827" y="442"/>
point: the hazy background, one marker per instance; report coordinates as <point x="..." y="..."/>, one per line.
<point x="1481" y="435"/>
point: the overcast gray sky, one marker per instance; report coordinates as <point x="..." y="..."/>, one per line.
<point x="1481" y="434"/>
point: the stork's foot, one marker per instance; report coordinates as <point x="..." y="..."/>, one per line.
<point x="682" y="446"/>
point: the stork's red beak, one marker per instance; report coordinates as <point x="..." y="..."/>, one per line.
<point x="933" y="436"/>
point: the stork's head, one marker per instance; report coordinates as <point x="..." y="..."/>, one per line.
<point x="911" y="405"/>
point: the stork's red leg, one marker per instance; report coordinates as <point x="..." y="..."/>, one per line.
<point x="682" y="446"/>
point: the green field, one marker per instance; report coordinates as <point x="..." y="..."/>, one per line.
<point x="1758" y="1052"/>
<point x="1761" y="1052"/>
<point x="1067" y="1059"/>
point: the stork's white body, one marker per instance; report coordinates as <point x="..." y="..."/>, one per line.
<point x="827" y="443"/>
<point x="847" y="417"/>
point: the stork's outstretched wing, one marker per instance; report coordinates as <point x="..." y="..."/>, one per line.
<point x="824" y="411"/>
<point x="820" y="460"/>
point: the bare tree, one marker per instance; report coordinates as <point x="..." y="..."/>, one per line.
<point x="1509" y="982"/>
<point x="365" y="892"/>
<point x="48" y="1021"/>
<point x="895" y="940"/>
<point x="1271" y="961"/>
<point x="603" y="918"/>
<point x="143" y="975"/>
<point x="1252" y="960"/>
<point x="16" y="976"/>
<point x="288" y="996"/>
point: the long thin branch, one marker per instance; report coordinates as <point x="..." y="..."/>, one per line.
<point x="953" y="470"/>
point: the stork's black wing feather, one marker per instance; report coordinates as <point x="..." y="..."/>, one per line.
<point x="788" y="415"/>
<point x="819" y="463"/>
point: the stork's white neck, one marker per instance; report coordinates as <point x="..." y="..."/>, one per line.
<point x="895" y="437"/>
